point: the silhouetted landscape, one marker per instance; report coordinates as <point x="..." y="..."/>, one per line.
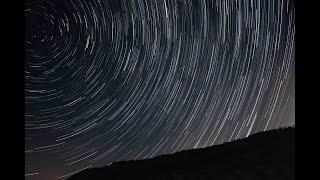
<point x="265" y="155"/>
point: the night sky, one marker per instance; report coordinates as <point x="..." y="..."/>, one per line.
<point x="107" y="80"/>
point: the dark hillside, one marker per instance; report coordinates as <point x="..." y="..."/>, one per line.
<point x="266" y="155"/>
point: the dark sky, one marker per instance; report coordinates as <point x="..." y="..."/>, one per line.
<point x="107" y="81"/>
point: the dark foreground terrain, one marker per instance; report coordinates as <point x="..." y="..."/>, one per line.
<point x="267" y="155"/>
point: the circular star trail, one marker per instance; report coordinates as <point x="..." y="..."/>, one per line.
<point x="107" y="81"/>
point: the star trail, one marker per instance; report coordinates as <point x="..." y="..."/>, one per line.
<point x="107" y="80"/>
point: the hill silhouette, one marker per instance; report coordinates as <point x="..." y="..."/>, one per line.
<point x="265" y="155"/>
